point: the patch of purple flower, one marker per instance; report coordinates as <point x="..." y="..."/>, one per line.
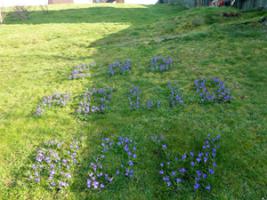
<point x="57" y="99"/>
<point x="175" y="97"/>
<point x="100" y="175"/>
<point x="119" y="67"/>
<point x="213" y="90"/>
<point x="81" y="71"/>
<point x="190" y="170"/>
<point x="134" y="98"/>
<point x="54" y="164"/>
<point x="150" y="104"/>
<point x="95" y="101"/>
<point x="160" y="63"/>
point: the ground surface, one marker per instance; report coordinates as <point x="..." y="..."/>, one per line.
<point x="36" y="58"/>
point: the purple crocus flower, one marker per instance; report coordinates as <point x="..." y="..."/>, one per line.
<point x="95" y="184"/>
<point x="211" y="171"/>
<point x="208" y="187"/>
<point x="196" y="186"/>
<point x="130" y="163"/>
<point x="178" y="180"/>
<point x="198" y="173"/>
<point x="184" y="156"/>
<point x="166" y="178"/>
<point x="182" y="170"/>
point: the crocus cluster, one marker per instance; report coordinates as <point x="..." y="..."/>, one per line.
<point x="54" y="163"/>
<point x="80" y="71"/>
<point x="160" y="63"/>
<point x="150" y="104"/>
<point x="175" y="97"/>
<point x="56" y="99"/>
<point x="195" y="168"/>
<point x="95" y="101"/>
<point x="134" y="98"/>
<point x="119" y="67"/>
<point x="101" y="175"/>
<point x="213" y="90"/>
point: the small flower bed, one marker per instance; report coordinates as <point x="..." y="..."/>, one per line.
<point x="160" y="63"/>
<point x="134" y="98"/>
<point x="104" y="169"/>
<point x="81" y="71"/>
<point x="150" y="104"/>
<point x="213" y="90"/>
<point x="119" y="67"/>
<point x="175" y="97"/>
<point x="95" y="101"/>
<point x="54" y="164"/>
<point x="56" y="99"/>
<point x="195" y="168"/>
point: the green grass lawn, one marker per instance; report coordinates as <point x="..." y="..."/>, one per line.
<point x="36" y="59"/>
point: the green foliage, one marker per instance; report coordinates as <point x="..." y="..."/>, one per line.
<point x="36" y="59"/>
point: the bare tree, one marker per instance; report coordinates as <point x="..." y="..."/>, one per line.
<point x="21" y="12"/>
<point x="1" y="18"/>
<point x="2" y="15"/>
